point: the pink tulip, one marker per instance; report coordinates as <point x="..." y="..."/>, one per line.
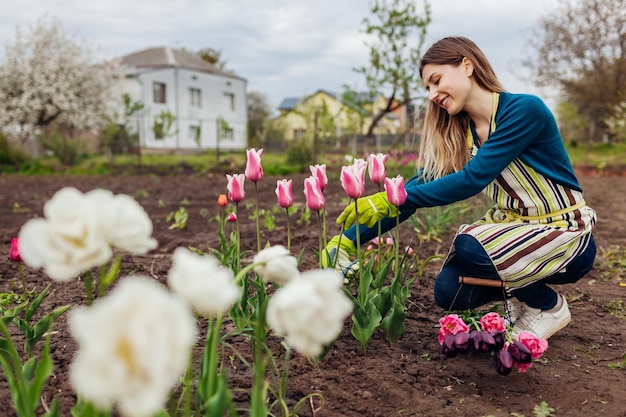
<point x="451" y="324"/>
<point x="319" y="171"/>
<point x="353" y="178"/>
<point x="536" y="345"/>
<point x="284" y="193"/>
<point x="377" y="167"/>
<point x="492" y="322"/>
<point x="14" y="255"/>
<point x="232" y="217"/>
<point x="313" y="191"/>
<point x="254" y="170"/>
<point x="235" y="187"/>
<point x="396" y="193"/>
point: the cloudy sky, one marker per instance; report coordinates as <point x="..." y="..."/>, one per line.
<point x="284" y="48"/>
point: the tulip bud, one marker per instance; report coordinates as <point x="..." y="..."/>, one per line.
<point x="232" y="217"/>
<point x="447" y="347"/>
<point x="396" y="193"/>
<point x="222" y="201"/>
<point x="520" y="352"/>
<point x="284" y="193"/>
<point x="504" y="362"/>
<point x="377" y="167"/>
<point x="254" y="170"/>
<point x="353" y="178"/>
<point x="462" y="342"/>
<point x="319" y="171"/>
<point x="483" y="341"/>
<point x="236" y="191"/>
<point x="14" y="255"/>
<point x="499" y="339"/>
<point x="315" y="199"/>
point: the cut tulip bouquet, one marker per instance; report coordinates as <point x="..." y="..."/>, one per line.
<point x="490" y="335"/>
<point x="136" y="338"/>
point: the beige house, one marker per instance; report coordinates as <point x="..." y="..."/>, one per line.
<point x="326" y="116"/>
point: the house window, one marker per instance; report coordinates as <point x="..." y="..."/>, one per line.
<point x="228" y="101"/>
<point x="195" y="133"/>
<point x="298" y="133"/>
<point x="227" y="134"/>
<point x="195" y="96"/>
<point x="158" y="92"/>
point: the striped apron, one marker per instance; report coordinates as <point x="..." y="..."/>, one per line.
<point x="536" y="228"/>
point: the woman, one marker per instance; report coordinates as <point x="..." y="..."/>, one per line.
<point x="477" y="137"/>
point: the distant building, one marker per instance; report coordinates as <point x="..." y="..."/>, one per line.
<point x="329" y="116"/>
<point x="190" y="104"/>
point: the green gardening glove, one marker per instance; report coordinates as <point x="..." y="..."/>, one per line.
<point x="372" y="208"/>
<point x="337" y="254"/>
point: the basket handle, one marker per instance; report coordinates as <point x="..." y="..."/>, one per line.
<point x="483" y="282"/>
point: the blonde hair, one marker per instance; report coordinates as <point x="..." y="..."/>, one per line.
<point x="443" y="143"/>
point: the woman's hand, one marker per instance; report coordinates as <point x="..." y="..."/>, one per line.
<point x="371" y="209"/>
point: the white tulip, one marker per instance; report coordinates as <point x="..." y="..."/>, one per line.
<point x="125" y="223"/>
<point x="134" y="344"/>
<point x="79" y="229"/>
<point x="209" y="287"/>
<point x="276" y="265"/>
<point x="68" y="241"/>
<point x="309" y="310"/>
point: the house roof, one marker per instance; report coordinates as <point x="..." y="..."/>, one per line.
<point x="288" y="103"/>
<point x="166" y="57"/>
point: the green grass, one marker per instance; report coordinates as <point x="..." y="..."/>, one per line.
<point x="600" y="156"/>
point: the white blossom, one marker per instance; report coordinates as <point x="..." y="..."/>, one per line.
<point x="47" y="77"/>
<point x="209" y="287"/>
<point x="276" y="265"/>
<point x="79" y="229"/>
<point x="309" y="310"/>
<point x="134" y="344"/>
<point x="68" y="241"/>
<point x="125" y="223"/>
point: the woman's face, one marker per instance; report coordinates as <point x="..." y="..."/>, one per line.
<point x="448" y="85"/>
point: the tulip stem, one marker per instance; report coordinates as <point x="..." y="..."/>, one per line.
<point x="21" y="270"/>
<point x="320" y="239"/>
<point x="397" y="243"/>
<point x="238" y="236"/>
<point x="258" y="227"/>
<point x="288" y="230"/>
<point x="358" y="232"/>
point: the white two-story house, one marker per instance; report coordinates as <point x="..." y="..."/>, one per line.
<point x="189" y="104"/>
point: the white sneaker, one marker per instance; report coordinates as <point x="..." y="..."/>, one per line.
<point x="543" y="323"/>
<point x="514" y="309"/>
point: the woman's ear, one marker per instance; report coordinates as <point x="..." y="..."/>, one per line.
<point x="468" y="67"/>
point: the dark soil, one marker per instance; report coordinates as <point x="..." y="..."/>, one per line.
<point x="411" y="378"/>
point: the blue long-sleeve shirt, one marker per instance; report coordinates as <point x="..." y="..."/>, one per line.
<point x="525" y="129"/>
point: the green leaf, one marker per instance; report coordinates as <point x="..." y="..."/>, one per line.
<point x="221" y="400"/>
<point x="54" y="410"/>
<point x="36" y="302"/>
<point x="383" y="301"/>
<point x="111" y="275"/>
<point x="393" y="324"/>
<point x="365" y="320"/>
<point x="42" y="327"/>
<point x="43" y="370"/>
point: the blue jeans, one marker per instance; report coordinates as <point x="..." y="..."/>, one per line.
<point x="471" y="260"/>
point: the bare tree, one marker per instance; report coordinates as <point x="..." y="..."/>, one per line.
<point x="49" y="78"/>
<point x="400" y="34"/>
<point x="580" y="49"/>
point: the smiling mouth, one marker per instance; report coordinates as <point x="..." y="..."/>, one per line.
<point x="443" y="102"/>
